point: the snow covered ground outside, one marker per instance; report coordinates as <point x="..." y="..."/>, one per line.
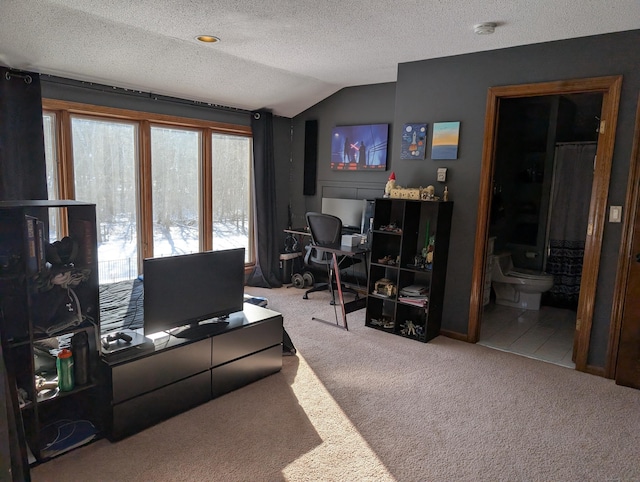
<point x="117" y="253"/>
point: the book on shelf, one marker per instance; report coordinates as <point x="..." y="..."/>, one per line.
<point x="31" y="261"/>
<point x="35" y="247"/>
<point x="420" y="301"/>
<point x="83" y="232"/>
<point x="414" y="290"/>
<point x="40" y="245"/>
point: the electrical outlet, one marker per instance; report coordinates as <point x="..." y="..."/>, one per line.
<point x="442" y="174"/>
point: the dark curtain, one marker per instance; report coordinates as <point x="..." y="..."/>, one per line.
<point x="12" y="447"/>
<point x="266" y="272"/>
<point x="23" y="173"/>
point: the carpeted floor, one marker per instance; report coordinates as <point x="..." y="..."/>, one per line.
<point x="365" y="405"/>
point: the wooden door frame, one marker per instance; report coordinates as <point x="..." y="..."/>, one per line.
<point x="632" y="203"/>
<point x="610" y="88"/>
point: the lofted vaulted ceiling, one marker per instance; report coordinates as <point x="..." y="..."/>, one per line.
<point x="285" y="55"/>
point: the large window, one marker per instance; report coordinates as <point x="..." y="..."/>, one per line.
<point x="51" y="158"/>
<point x="175" y="164"/>
<point x="51" y="153"/>
<point x="231" y="173"/>
<point x="162" y="185"/>
<point x="104" y="165"/>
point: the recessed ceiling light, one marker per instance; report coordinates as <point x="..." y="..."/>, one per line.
<point x="485" y="28"/>
<point x="208" y="39"/>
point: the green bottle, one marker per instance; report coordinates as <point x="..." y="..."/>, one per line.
<point x="64" y="365"/>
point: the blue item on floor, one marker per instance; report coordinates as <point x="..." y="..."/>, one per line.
<point x="256" y="300"/>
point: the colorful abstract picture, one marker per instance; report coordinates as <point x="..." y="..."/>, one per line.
<point x="446" y="136"/>
<point x="357" y="148"/>
<point x="414" y="141"/>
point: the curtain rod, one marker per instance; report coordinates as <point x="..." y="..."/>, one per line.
<point x="19" y="75"/>
<point x="575" y="143"/>
<point x="138" y="93"/>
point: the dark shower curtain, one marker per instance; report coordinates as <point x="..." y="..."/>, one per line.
<point x="571" y="194"/>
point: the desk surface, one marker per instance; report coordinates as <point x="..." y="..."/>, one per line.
<point x="344" y="250"/>
<point x="300" y="231"/>
<point x="305" y="231"/>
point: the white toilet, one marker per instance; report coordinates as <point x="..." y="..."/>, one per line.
<point x="518" y="288"/>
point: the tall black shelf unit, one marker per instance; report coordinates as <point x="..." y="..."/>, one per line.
<point x="402" y="228"/>
<point x="42" y="305"/>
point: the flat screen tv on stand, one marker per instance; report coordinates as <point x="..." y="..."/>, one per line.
<point x="191" y="295"/>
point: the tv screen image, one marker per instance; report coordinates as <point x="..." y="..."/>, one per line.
<point x="361" y="147"/>
<point x="198" y="290"/>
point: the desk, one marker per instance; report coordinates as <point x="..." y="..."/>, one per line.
<point x="352" y="305"/>
<point x="301" y="235"/>
<point x="298" y="231"/>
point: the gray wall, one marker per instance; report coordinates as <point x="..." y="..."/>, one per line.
<point x="455" y="89"/>
<point x="370" y="104"/>
<point x="96" y="94"/>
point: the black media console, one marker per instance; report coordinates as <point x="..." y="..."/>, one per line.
<point x="176" y="374"/>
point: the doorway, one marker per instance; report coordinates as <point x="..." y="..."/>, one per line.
<point x="530" y="244"/>
<point x="545" y="151"/>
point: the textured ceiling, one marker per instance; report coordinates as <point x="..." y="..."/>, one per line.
<point x="285" y="55"/>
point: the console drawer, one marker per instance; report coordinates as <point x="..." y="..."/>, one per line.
<point x="239" y="373"/>
<point x="246" y="340"/>
<point x="140" y="376"/>
<point x="150" y="408"/>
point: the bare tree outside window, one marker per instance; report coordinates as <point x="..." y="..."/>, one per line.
<point x="145" y="176"/>
<point x="105" y="160"/>
<point x="175" y="166"/>
<point x="231" y="172"/>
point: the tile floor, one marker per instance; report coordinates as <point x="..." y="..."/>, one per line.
<point x="544" y="335"/>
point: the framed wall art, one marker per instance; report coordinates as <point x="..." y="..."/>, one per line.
<point x="360" y="147"/>
<point x="414" y="141"/>
<point x="446" y="136"/>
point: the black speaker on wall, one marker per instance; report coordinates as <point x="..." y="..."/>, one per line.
<point x="310" y="157"/>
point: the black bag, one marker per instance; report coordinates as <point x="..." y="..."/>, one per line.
<point x="287" y="344"/>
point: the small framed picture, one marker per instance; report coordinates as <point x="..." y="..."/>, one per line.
<point x="446" y="136"/>
<point x="414" y="141"/>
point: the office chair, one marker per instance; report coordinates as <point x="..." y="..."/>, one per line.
<point x="326" y="230"/>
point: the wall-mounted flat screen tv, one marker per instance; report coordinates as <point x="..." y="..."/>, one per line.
<point x="358" y="148"/>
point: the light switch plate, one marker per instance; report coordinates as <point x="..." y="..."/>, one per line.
<point x="442" y="174"/>
<point x="615" y="214"/>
